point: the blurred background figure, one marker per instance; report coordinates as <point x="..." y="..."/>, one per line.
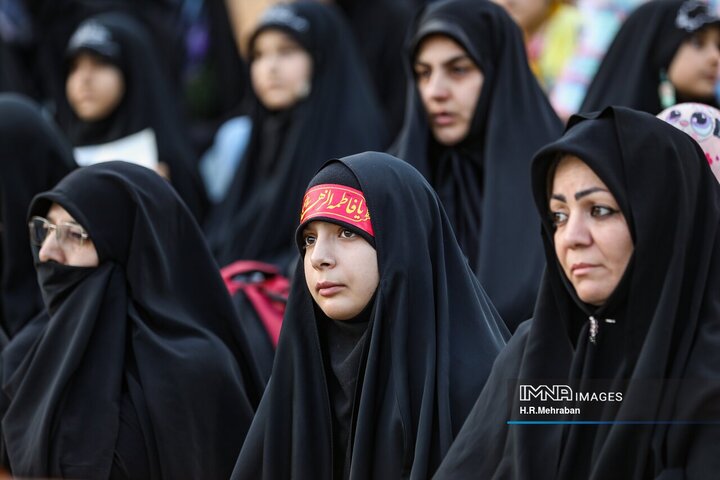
<point x="120" y="107"/>
<point x="34" y="156"/>
<point x="667" y="52"/>
<point x="477" y="115"/>
<point x="314" y="102"/>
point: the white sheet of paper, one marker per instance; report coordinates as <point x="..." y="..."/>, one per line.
<point x="139" y="148"/>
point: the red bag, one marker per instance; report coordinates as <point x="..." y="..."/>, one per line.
<point x="265" y="288"/>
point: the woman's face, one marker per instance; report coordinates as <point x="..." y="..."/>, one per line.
<point x="694" y="68"/>
<point x="94" y="87"/>
<point x="71" y="249"/>
<point x="341" y="269"/>
<point x="449" y="83"/>
<point x="592" y="240"/>
<point x="281" y="70"/>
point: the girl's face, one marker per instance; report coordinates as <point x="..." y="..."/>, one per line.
<point x="94" y="87"/>
<point x="63" y="240"/>
<point x="592" y="239"/>
<point x="449" y="83"/>
<point x="281" y="70"/>
<point x="694" y="68"/>
<point x="341" y="269"/>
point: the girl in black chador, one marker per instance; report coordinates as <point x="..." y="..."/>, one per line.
<point x="137" y="369"/>
<point x="667" y="52"/>
<point x="121" y="105"/>
<point x="476" y="116"/>
<point x="315" y="102"/>
<point x="387" y="338"/>
<point x="628" y="310"/>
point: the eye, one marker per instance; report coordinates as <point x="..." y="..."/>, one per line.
<point x="602" y="211"/>
<point x="461" y="69"/>
<point x="422" y="73"/>
<point x="347" y="233"/>
<point x="558" y="218"/>
<point x="308" y="240"/>
<point x="701" y="124"/>
<point x="75" y="234"/>
<point x="674" y="116"/>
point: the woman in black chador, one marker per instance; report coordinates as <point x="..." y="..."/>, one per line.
<point x="387" y="338"/>
<point x="628" y="310"/>
<point x="119" y="99"/>
<point x="667" y="52"/>
<point x="315" y="102"/>
<point x="139" y="370"/>
<point x="34" y="156"/>
<point x="476" y="116"/>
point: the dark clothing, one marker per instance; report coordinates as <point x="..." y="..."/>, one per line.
<point x="147" y="102"/>
<point x="431" y="337"/>
<point x="340" y="116"/>
<point x="139" y="354"/>
<point x="34" y="156"/>
<point x="643" y="49"/>
<point x="655" y="340"/>
<point x="484" y="181"/>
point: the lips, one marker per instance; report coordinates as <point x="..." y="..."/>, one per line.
<point x="579" y="269"/>
<point x="442" y="119"/>
<point x="328" y="289"/>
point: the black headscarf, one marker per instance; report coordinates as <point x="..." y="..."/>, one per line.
<point x="430" y="339"/>
<point x="646" y="44"/>
<point x="146" y="103"/>
<point x="484" y="181"/>
<point x="34" y="156"/>
<point x="140" y="369"/>
<point x="380" y="28"/>
<point x="663" y="351"/>
<point x="340" y="116"/>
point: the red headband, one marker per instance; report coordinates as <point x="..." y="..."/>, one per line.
<point x="337" y="202"/>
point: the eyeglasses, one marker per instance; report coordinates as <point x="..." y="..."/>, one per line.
<point x="66" y="234"/>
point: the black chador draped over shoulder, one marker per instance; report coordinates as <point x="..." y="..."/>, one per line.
<point x="431" y="337"/>
<point x="339" y="116"/>
<point x="147" y="101"/>
<point x="34" y="156"/>
<point x="484" y="181"/>
<point x="662" y="352"/>
<point x="140" y="371"/>
<point x="643" y="49"/>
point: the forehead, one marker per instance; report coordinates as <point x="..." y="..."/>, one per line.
<point x="272" y="37"/>
<point x="58" y="214"/>
<point x="572" y="172"/>
<point x="438" y="49"/>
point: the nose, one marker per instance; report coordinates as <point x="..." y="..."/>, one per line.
<point x="51" y="250"/>
<point x="575" y="233"/>
<point x="437" y="86"/>
<point x="322" y="254"/>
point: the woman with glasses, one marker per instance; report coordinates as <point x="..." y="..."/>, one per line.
<point x="139" y="370"/>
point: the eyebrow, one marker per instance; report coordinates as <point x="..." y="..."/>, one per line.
<point x="578" y="195"/>
<point x="450" y="61"/>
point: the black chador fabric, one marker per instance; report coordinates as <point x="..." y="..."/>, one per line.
<point x="630" y="73"/>
<point x="339" y="116"/>
<point x="380" y="27"/>
<point x="147" y="101"/>
<point x="140" y="371"/>
<point x="34" y="156"/>
<point x="663" y="351"/>
<point x="431" y="337"/>
<point x="484" y="181"/>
